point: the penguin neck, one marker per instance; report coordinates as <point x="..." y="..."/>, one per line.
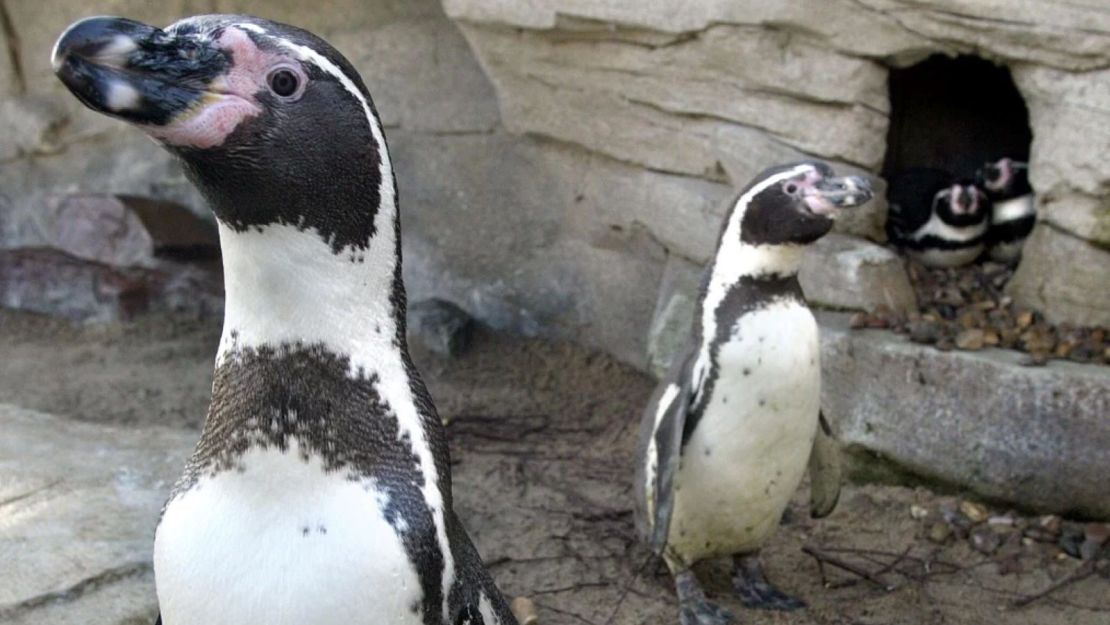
<point x="738" y="260"/>
<point x="286" y="287"/>
<point x="743" y="276"/>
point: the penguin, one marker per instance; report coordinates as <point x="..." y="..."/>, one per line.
<point x="320" y="489"/>
<point x="727" y="436"/>
<point x="937" y="219"/>
<point x="1013" y="210"/>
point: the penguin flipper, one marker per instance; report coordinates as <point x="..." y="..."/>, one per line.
<point x="660" y="452"/>
<point x="158" y="621"/>
<point x="824" y="471"/>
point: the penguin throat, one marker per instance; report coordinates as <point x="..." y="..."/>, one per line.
<point x="285" y="286"/>
<point x="738" y="260"/>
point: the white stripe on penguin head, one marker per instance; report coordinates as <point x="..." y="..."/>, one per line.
<point x="735" y="259"/>
<point x="393" y="377"/>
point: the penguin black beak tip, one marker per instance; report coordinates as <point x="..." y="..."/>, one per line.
<point x="101" y="40"/>
<point x="844" y="192"/>
<point x="127" y="69"/>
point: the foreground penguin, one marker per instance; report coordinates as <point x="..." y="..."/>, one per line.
<point x="1013" y="210"/>
<point x="726" y="437"/>
<point x="936" y="219"/>
<point x="320" y="490"/>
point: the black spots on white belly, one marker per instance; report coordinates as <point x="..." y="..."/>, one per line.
<point x="708" y="451"/>
<point x="308" y="398"/>
<point x="747" y="371"/>
<point x="762" y="402"/>
<point x="307" y="531"/>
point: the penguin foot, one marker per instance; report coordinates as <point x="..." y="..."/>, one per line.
<point x="693" y="607"/>
<point x="755" y="592"/>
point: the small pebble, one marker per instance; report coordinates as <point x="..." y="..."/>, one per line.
<point x="1097" y="533"/>
<point x="1051" y="523"/>
<point x="938" y="532"/>
<point x="977" y="513"/>
<point x="965" y="309"/>
<point x="971" y="340"/>
<point x="524" y="609"/>
<point x="1040" y="534"/>
<point x="985" y="540"/>
<point x="924" y="332"/>
<point x="1071" y="537"/>
<point x="918" y="512"/>
<point x="1025" y="319"/>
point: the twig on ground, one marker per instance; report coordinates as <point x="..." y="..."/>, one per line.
<point x="628" y="588"/>
<point x="890" y="566"/>
<point x="846" y="566"/>
<point x="1083" y="572"/>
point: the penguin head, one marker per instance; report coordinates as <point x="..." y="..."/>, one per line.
<point x="961" y="204"/>
<point x="797" y="203"/>
<point x="1004" y="178"/>
<point x="271" y="123"/>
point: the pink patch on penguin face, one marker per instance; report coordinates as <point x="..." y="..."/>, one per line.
<point x="815" y="201"/>
<point x="231" y="98"/>
<point x="965" y="199"/>
<point x="1001" y="182"/>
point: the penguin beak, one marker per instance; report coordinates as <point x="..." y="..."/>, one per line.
<point x="828" y="195"/>
<point x="135" y="72"/>
<point x="965" y="200"/>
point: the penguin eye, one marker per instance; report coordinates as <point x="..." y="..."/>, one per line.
<point x="284" y="82"/>
<point x="791" y="188"/>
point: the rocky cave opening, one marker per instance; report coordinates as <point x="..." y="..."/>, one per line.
<point x="955" y="114"/>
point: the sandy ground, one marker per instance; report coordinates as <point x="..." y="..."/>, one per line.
<point x="542" y="436"/>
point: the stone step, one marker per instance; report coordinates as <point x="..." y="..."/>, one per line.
<point x="1034" y="437"/>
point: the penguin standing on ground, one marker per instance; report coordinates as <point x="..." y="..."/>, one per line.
<point x="936" y="219"/>
<point x="1013" y="210"/>
<point x="320" y="490"/>
<point x="725" y="440"/>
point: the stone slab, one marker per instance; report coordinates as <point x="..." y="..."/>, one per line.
<point x="78" y="508"/>
<point x="1063" y="276"/>
<point x="845" y="272"/>
<point x="1034" y="437"/>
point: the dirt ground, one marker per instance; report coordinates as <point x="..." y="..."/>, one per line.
<point x="542" y="437"/>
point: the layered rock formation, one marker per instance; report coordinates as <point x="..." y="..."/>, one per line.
<point x="716" y="90"/>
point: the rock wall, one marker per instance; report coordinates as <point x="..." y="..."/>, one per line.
<point x="716" y="90"/>
<point x="527" y="234"/>
<point x="591" y="147"/>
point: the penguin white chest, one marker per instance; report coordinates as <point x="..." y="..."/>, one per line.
<point x="749" y="450"/>
<point x="282" y="542"/>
